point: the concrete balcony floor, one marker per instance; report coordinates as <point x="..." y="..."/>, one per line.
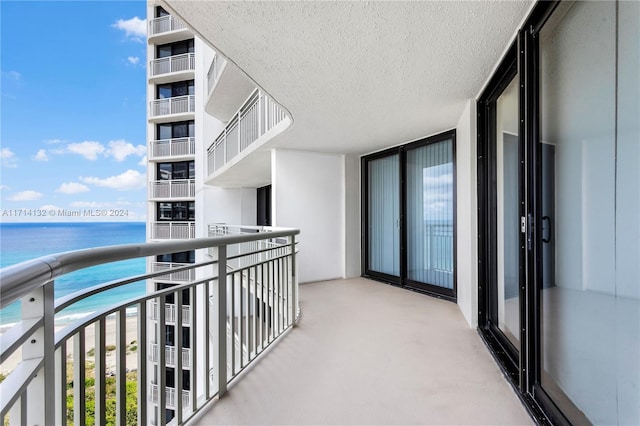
<point x="369" y="353"/>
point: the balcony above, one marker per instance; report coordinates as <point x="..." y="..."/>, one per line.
<point x="177" y="108"/>
<point x="239" y="156"/>
<point x="170" y="355"/>
<point x="170" y="396"/>
<point x="174" y="149"/>
<point x="172" y="68"/>
<point x="174" y="189"/>
<point x="170" y="313"/>
<point x="227" y="87"/>
<point x="172" y="230"/>
<point x="167" y="29"/>
<point x="187" y="275"/>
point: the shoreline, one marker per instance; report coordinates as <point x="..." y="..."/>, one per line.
<point x="110" y="339"/>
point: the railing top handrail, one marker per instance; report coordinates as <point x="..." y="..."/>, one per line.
<point x="173" y="98"/>
<point x="166" y="58"/>
<point x="174" y="140"/>
<point x="16" y="281"/>
<point x="173" y="180"/>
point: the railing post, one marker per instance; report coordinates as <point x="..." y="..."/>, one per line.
<point x="294" y="283"/>
<point x="222" y="320"/>
<point x="38" y="304"/>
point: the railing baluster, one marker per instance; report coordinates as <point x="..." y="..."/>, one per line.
<point x="121" y="366"/>
<point x="61" y="385"/>
<point x="100" y="371"/>
<point x="142" y="363"/>
<point x="79" y="409"/>
<point x="222" y="320"/>
<point x="162" y="364"/>
<point x="178" y="357"/>
<point x="193" y="345"/>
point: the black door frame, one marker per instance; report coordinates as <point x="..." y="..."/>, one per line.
<point x="402" y="280"/>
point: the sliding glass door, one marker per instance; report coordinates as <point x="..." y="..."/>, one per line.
<point x="559" y="228"/>
<point x="409" y="215"/>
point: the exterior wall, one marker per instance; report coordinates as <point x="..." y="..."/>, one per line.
<point x="352" y="220"/>
<point x="467" y="217"/>
<point x="309" y="194"/>
<point x="232" y="206"/>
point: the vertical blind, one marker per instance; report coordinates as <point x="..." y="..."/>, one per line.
<point x="384" y="215"/>
<point x="430" y="214"/>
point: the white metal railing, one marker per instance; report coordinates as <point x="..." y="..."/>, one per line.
<point x="174" y="105"/>
<point x="172" y="188"/>
<point x="170" y="313"/>
<point x="181" y="275"/>
<point x="165" y="24"/>
<point x="235" y="314"/>
<point x="214" y="71"/>
<point x="171" y="64"/>
<point x="257" y="116"/>
<point x="170" y="355"/>
<point x="172" y="148"/>
<point x="172" y="230"/>
<point x="170" y="395"/>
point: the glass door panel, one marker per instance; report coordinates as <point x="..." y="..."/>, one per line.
<point x="384" y="215"/>
<point x="507" y="213"/>
<point x="430" y="214"/>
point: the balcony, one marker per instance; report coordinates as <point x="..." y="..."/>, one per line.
<point x="227" y="87"/>
<point x="186" y="275"/>
<point x="170" y="395"/>
<point x="172" y="230"/>
<point x="46" y="360"/>
<point x="174" y="149"/>
<point x="172" y="68"/>
<point x="170" y="313"/>
<point x="256" y="122"/>
<point x="172" y="109"/>
<point x="167" y="29"/>
<point x="172" y="189"/>
<point x="170" y="355"/>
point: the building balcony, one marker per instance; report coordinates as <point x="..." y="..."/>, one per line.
<point x="357" y="340"/>
<point x="170" y="395"/>
<point x="170" y="313"/>
<point x="170" y="355"/>
<point x="255" y="123"/>
<point x="172" y="189"/>
<point x="186" y="275"/>
<point x="167" y="29"/>
<point x="172" y="230"/>
<point x="176" y="148"/>
<point x="227" y="87"/>
<point x="176" y="108"/>
<point x="172" y="68"/>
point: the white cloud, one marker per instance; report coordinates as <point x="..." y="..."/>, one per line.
<point x="143" y="161"/>
<point x="53" y="141"/>
<point x="41" y="155"/>
<point x="126" y="181"/>
<point x="13" y="75"/>
<point x="8" y="158"/>
<point x="133" y="60"/>
<point x="121" y="149"/>
<point x="134" y="28"/>
<point x="26" y="196"/>
<point x="98" y="205"/>
<point x="88" y="149"/>
<point x="50" y="207"/>
<point x="72" y="188"/>
<point x="3" y="187"/>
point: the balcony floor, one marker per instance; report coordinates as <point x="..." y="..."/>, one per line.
<point x="369" y="353"/>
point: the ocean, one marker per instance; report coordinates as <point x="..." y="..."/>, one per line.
<point x="25" y="241"/>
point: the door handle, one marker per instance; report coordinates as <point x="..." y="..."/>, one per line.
<point x="548" y="239"/>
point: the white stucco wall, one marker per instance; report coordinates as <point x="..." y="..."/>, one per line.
<point x="467" y="218"/>
<point x="308" y="193"/>
<point x="352" y="222"/>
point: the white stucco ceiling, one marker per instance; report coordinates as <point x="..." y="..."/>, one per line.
<point x="360" y="76"/>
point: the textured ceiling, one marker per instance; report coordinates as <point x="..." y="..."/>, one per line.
<point x="360" y="76"/>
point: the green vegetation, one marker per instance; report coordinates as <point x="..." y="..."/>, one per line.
<point x="110" y="387"/>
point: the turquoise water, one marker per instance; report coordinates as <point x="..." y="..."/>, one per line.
<point x="25" y="241"/>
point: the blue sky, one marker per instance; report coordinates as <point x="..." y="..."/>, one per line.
<point x="73" y="108"/>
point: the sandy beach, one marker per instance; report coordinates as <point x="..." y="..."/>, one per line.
<point x="110" y="341"/>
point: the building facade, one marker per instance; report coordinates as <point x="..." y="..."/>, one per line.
<point x="484" y="153"/>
